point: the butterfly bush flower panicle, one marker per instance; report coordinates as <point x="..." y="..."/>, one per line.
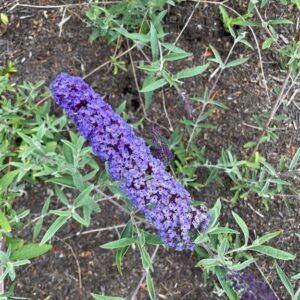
<point x="249" y="287"/>
<point x="143" y="178"/>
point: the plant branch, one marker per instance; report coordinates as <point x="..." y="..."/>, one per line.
<point x="272" y="114"/>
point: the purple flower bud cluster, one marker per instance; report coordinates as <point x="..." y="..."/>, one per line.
<point x="249" y="287"/>
<point x="143" y="178"/>
<point x="161" y="149"/>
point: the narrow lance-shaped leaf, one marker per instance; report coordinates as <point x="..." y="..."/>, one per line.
<point x="7" y="179"/>
<point x="101" y="297"/>
<point x="126" y="233"/>
<point x="236" y="62"/>
<point x="285" y="280"/>
<point x="154" y="43"/>
<point x="118" y="244"/>
<point x="30" y="251"/>
<point x="295" y="160"/>
<point x="58" y="223"/>
<point x="225" y="285"/>
<point x="150" y="286"/>
<point x="154" y="85"/>
<point x="243" y="226"/>
<point x="4" y="223"/>
<point x="265" y="238"/>
<point x="191" y="72"/>
<point x="273" y="252"/>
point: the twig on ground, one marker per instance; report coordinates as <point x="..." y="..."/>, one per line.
<point x="63" y="21"/>
<point x="57" y="6"/>
<point x="104" y="229"/>
<point x="265" y="278"/>
<point x="76" y="260"/>
<point x="108" y="62"/>
<point x="187" y="22"/>
<point x="272" y="114"/>
<point x="92" y="72"/>
<point x="257" y="212"/>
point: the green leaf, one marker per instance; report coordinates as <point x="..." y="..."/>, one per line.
<point x="4" y="19"/>
<point x="154" y="43"/>
<point x="217" y="55"/>
<point x="57" y="224"/>
<point x="150" y="287"/>
<point x="121" y="108"/>
<point x="296" y="276"/>
<point x="191" y="72"/>
<point x="146" y="259"/>
<point x="208" y="262"/>
<point x="174" y="49"/>
<point x="64" y="181"/>
<point x="296" y="2"/>
<point x="221" y="230"/>
<point x="154" y="85"/>
<point x="215" y="211"/>
<point x="285" y="280"/>
<point x="268" y="236"/>
<point x="236" y="62"/>
<point x="243" y="226"/>
<point x="243" y="265"/>
<point x="273" y="252"/>
<point x="100" y="297"/>
<point x="120" y="253"/>
<point x="4" y="223"/>
<point x="144" y="38"/>
<point x="152" y="239"/>
<point x="79" y="219"/>
<point x="176" y="56"/>
<point x="281" y="22"/>
<point x="14" y="243"/>
<point x="7" y="179"/>
<point x="30" y="251"/>
<point x="267" y="43"/>
<point x="221" y="273"/>
<point x="295" y="160"/>
<point x="249" y="144"/>
<point x="118" y="244"/>
<point x="83" y="196"/>
<point x="61" y="196"/>
<point x="68" y="152"/>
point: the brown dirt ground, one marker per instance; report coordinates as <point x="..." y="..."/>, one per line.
<point x="33" y="43"/>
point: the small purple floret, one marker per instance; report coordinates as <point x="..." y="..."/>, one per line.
<point x="143" y="178"/>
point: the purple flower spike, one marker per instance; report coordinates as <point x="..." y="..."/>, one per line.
<point x="249" y="287"/>
<point x="143" y="178"/>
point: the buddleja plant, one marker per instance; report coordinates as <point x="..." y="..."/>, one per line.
<point x="33" y="148"/>
<point x="150" y="191"/>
